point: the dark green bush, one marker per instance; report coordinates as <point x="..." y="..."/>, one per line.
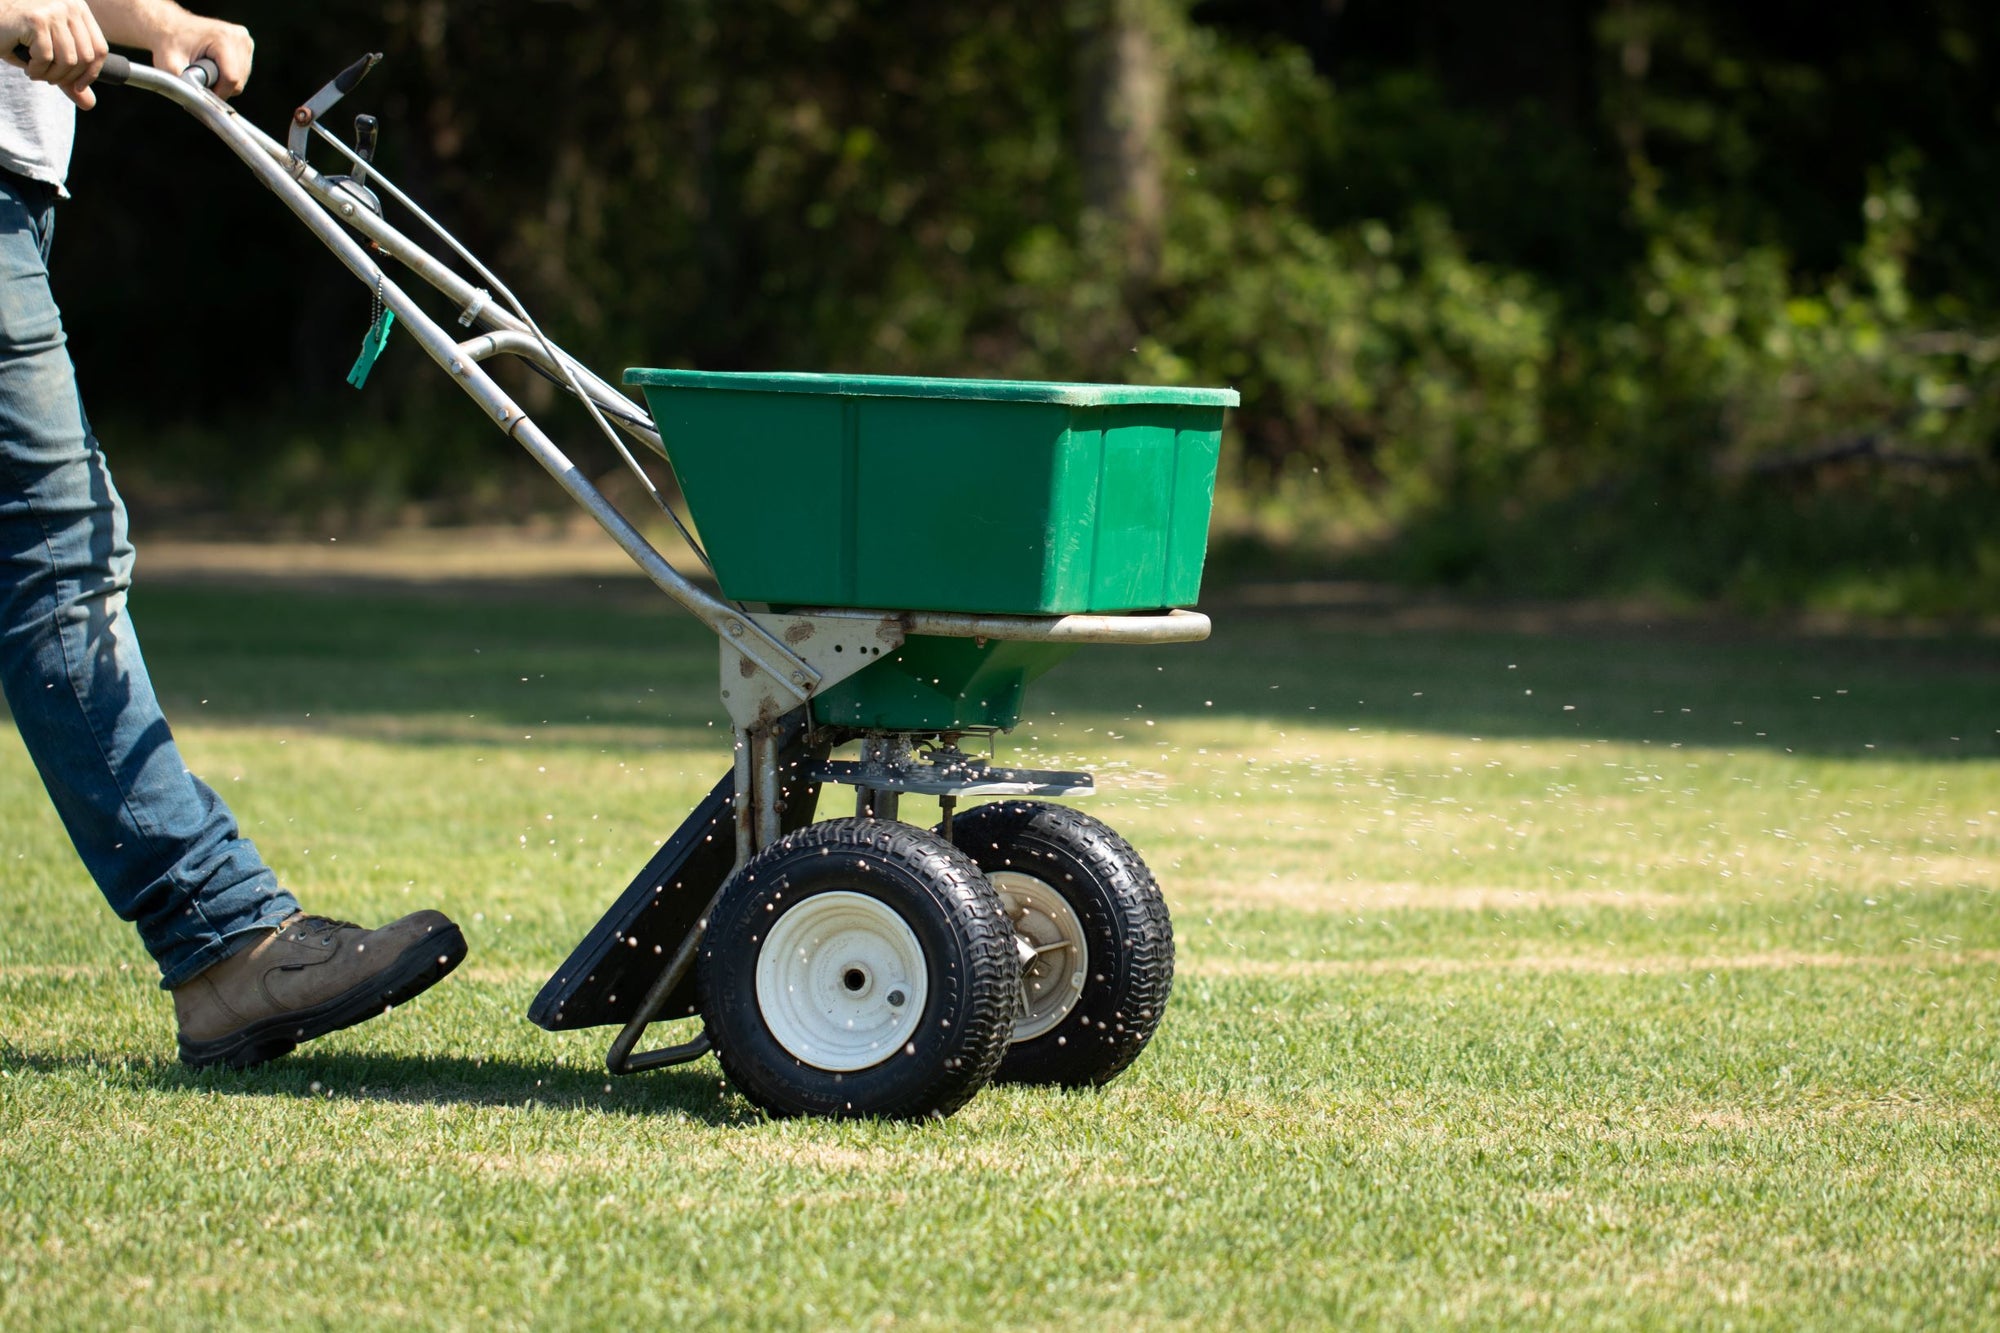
<point x="1656" y="307"/>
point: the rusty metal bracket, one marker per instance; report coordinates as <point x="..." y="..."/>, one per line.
<point x="832" y="649"/>
<point x="834" y="646"/>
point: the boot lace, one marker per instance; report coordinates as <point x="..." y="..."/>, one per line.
<point x="327" y="925"/>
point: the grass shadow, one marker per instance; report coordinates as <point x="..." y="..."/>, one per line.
<point x="361" y="659"/>
<point x="436" y="1080"/>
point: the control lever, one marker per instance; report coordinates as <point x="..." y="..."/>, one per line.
<point x="322" y="102"/>
<point x="366" y="136"/>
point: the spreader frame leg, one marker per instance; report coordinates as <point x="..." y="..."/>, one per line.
<point x="760" y="809"/>
<point x="620" y="1059"/>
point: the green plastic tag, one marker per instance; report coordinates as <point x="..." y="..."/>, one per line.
<point x="371" y="347"/>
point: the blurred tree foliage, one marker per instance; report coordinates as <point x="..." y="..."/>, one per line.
<point x="1691" y="297"/>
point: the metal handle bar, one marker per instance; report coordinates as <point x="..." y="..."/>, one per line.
<point x="117" y="70"/>
<point x="263" y="157"/>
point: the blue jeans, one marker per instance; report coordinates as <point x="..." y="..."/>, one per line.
<point x="159" y="842"/>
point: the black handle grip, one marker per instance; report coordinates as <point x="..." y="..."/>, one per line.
<point x="354" y="73"/>
<point x="116" y="69"/>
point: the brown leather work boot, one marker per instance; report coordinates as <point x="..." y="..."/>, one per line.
<point x="311" y="976"/>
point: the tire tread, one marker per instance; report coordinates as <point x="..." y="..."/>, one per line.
<point x="995" y="835"/>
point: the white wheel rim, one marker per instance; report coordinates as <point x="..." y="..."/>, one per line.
<point x="1055" y="957"/>
<point x="841" y="981"/>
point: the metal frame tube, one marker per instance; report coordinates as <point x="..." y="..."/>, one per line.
<point x="1164" y="627"/>
<point x="508" y="342"/>
<point x="764" y="763"/>
<point x="746" y="793"/>
<point x="622" y="412"/>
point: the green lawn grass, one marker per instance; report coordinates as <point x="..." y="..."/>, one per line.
<point x="1600" y="976"/>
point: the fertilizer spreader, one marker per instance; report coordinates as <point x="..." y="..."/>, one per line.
<point x="896" y="560"/>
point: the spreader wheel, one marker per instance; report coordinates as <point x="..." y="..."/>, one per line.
<point x="859" y="967"/>
<point x="1092" y="932"/>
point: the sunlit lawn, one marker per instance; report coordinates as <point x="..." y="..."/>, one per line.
<point x="1609" y="976"/>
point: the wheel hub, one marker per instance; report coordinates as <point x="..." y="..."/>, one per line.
<point x="841" y="981"/>
<point x="1055" y="958"/>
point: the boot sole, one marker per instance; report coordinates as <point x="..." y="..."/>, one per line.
<point x="422" y="966"/>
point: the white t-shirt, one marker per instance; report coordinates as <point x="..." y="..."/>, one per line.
<point x="37" y="127"/>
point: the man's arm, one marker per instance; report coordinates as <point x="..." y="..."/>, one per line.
<point x="177" y="38"/>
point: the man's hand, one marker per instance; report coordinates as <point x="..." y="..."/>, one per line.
<point x="65" y="45"/>
<point x="175" y="37"/>
<point x="191" y="37"/>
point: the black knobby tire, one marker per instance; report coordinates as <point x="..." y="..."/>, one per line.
<point x="968" y="958"/>
<point x="1125" y="924"/>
